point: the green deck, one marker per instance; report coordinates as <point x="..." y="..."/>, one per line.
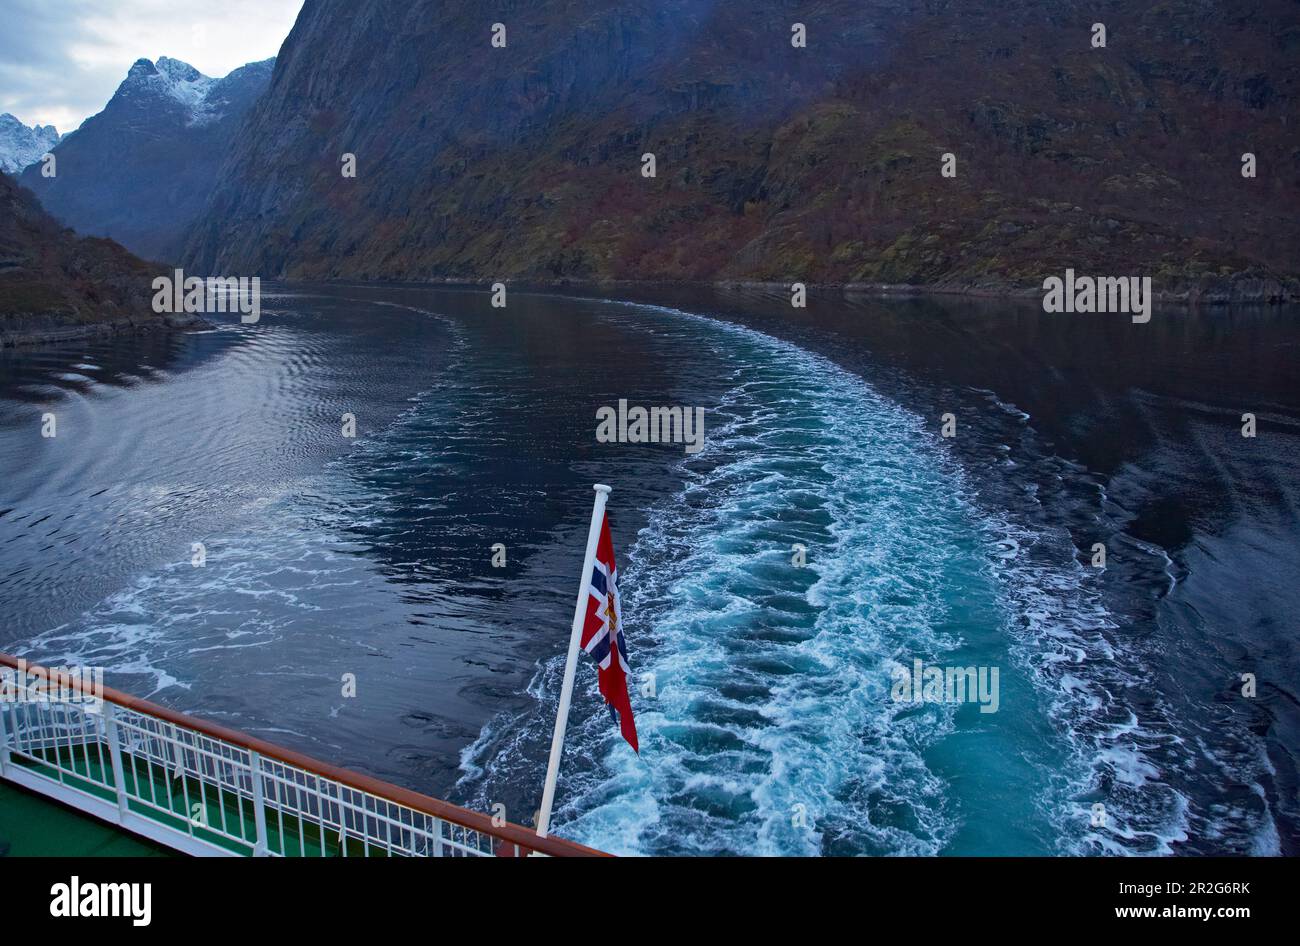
<point x="33" y="826"/>
<point x="37" y="826"/>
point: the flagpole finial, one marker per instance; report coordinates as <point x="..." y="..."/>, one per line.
<point x="602" y="488"/>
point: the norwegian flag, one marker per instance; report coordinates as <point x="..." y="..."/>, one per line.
<point x="602" y="635"/>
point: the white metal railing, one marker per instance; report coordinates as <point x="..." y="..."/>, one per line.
<point x="206" y="790"/>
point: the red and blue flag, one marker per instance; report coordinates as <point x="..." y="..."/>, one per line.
<point x="602" y="635"/>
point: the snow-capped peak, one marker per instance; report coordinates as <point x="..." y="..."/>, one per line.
<point x="178" y="71"/>
<point x="21" y="146"/>
<point x="176" y="80"/>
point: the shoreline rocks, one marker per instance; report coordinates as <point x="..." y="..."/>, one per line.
<point x="22" y="331"/>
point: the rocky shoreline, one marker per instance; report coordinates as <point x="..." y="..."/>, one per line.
<point x="43" y="330"/>
<point x="27" y="330"/>
<point x="1236" y="289"/>
<point x="1244" y="290"/>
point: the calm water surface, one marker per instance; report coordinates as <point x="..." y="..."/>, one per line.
<point x="372" y="556"/>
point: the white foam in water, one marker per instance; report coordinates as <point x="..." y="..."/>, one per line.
<point x="773" y="693"/>
<point x="773" y="681"/>
<point x="247" y="593"/>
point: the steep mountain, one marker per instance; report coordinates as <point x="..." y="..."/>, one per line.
<point x="21" y="146"/>
<point x="821" y="164"/>
<point x="142" y="169"/>
<point x="55" y="285"/>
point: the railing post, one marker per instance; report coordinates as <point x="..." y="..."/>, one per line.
<point x="109" y="715"/>
<point x="437" y="837"/>
<point x="259" y="803"/>
<point x="4" y="738"/>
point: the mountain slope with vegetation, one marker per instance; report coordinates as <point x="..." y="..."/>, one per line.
<point x="774" y="163"/>
<point x="55" y="285"/>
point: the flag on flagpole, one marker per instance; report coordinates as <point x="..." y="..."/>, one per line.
<point x="598" y="630"/>
<point x="602" y="634"/>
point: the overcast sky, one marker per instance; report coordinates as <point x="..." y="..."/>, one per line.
<point x="61" y="60"/>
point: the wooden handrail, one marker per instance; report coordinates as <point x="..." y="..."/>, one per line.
<point x="476" y="821"/>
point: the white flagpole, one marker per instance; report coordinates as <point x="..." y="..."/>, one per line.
<point x="571" y="663"/>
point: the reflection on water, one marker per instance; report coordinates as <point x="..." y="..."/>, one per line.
<point x="328" y="556"/>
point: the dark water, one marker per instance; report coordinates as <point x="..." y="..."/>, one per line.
<point x="372" y="556"/>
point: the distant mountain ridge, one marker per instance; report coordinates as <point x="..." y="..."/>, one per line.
<point x="21" y="146"/>
<point x="141" y="170"/>
<point x="776" y="163"/>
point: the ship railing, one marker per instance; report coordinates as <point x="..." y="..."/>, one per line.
<point x="208" y="790"/>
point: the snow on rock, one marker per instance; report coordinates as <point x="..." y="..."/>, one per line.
<point x="176" y="81"/>
<point x="21" y="146"/>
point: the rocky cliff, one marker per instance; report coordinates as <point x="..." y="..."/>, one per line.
<point x="821" y="164"/>
<point x="142" y="169"/>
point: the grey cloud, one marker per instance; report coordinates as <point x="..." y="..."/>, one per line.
<point x="46" y="75"/>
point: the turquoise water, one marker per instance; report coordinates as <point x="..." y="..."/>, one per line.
<point x="773" y="730"/>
